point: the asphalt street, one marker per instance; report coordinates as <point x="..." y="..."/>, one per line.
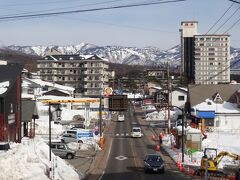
<point x="125" y="160"/>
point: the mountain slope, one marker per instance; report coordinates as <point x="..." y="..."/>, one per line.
<point x="151" y="56"/>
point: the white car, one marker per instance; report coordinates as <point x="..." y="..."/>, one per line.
<point x="136" y="132"/>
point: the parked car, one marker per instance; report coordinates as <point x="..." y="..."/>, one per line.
<point x="69" y="137"/>
<point x="136" y="132"/>
<point x="154" y="163"/>
<point x="81" y="135"/>
<point x="62" y="150"/>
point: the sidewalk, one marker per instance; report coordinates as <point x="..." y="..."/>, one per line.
<point x="99" y="162"/>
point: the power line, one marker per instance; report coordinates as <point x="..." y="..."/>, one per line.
<point x="227" y="20"/>
<point x="234" y="24"/>
<point x="235" y="1"/>
<point x="37" y="3"/>
<point x="220" y="18"/>
<point x="70" y="7"/>
<point x="85" y="10"/>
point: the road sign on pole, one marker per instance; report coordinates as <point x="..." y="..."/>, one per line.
<point x="118" y="103"/>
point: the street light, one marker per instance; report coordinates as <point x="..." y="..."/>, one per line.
<point x="183" y="122"/>
<point x="58" y="113"/>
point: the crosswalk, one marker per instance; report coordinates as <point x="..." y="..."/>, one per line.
<point x="122" y="134"/>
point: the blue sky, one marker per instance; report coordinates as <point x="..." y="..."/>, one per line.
<point x="155" y="25"/>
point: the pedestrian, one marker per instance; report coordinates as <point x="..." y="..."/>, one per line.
<point x="160" y="138"/>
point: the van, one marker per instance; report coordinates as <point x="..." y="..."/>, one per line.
<point x="62" y="150"/>
<point x="120" y="117"/>
<point x="136" y="132"/>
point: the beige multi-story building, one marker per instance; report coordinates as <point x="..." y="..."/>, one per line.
<point x="212" y="59"/>
<point x="205" y="59"/>
<point x="88" y="74"/>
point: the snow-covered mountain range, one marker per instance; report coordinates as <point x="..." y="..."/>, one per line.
<point x="120" y="54"/>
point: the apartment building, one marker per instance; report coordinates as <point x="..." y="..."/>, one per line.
<point x="205" y="59"/>
<point x="212" y="59"/>
<point x="88" y="74"/>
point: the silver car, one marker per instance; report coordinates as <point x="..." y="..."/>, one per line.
<point x="62" y="150"/>
<point x="70" y="137"/>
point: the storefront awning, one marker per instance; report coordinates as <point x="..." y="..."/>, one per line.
<point x="206" y="114"/>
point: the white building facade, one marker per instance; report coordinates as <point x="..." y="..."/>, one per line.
<point x="88" y="74"/>
<point x="212" y="59"/>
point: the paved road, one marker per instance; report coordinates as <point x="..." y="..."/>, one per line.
<point x="126" y="155"/>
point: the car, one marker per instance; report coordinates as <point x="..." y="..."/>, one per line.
<point x="154" y="163"/>
<point x="62" y="150"/>
<point x="69" y="137"/>
<point x="120" y="117"/>
<point x="136" y="132"/>
<point x="81" y="135"/>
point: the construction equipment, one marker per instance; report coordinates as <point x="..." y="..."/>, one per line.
<point x="213" y="162"/>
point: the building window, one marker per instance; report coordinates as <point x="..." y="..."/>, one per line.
<point x="181" y="98"/>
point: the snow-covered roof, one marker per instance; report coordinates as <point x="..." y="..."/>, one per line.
<point x="60" y="57"/>
<point x="4" y="87"/>
<point x="158" y="88"/>
<point x="46" y="83"/>
<point x="225" y="107"/>
<point x="47" y="97"/>
<point x="132" y="96"/>
<point x="184" y="89"/>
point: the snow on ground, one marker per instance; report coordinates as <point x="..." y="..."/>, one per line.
<point x="161" y="115"/>
<point x="220" y="141"/>
<point x="30" y="160"/>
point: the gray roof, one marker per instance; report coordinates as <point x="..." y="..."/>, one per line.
<point x="199" y="93"/>
<point x="9" y="73"/>
<point x="76" y="57"/>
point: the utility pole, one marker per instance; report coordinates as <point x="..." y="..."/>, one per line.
<point x="169" y="103"/>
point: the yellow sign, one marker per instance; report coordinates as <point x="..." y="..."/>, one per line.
<point x="70" y="101"/>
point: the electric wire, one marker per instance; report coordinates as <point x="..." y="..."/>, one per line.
<point x="220" y="18"/>
<point x="234" y="24"/>
<point x="227" y="20"/>
<point x="70" y="7"/>
<point x="85" y="10"/>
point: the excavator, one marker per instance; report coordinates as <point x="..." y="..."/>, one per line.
<point x="212" y="163"/>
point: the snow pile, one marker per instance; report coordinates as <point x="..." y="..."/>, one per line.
<point x="225" y="107"/>
<point x="161" y="115"/>
<point x="30" y="160"/>
<point x="222" y="142"/>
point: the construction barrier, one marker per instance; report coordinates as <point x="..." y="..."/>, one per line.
<point x="101" y="142"/>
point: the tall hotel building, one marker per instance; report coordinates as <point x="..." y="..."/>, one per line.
<point x="205" y="58"/>
<point x="188" y="30"/>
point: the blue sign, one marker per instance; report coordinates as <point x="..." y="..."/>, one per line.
<point x="85" y="134"/>
<point x="206" y="114"/>
<point x="96" y="133"/>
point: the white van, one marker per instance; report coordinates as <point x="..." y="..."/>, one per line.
<point x="136" y="132"/>
<point x="120" y="117"/>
